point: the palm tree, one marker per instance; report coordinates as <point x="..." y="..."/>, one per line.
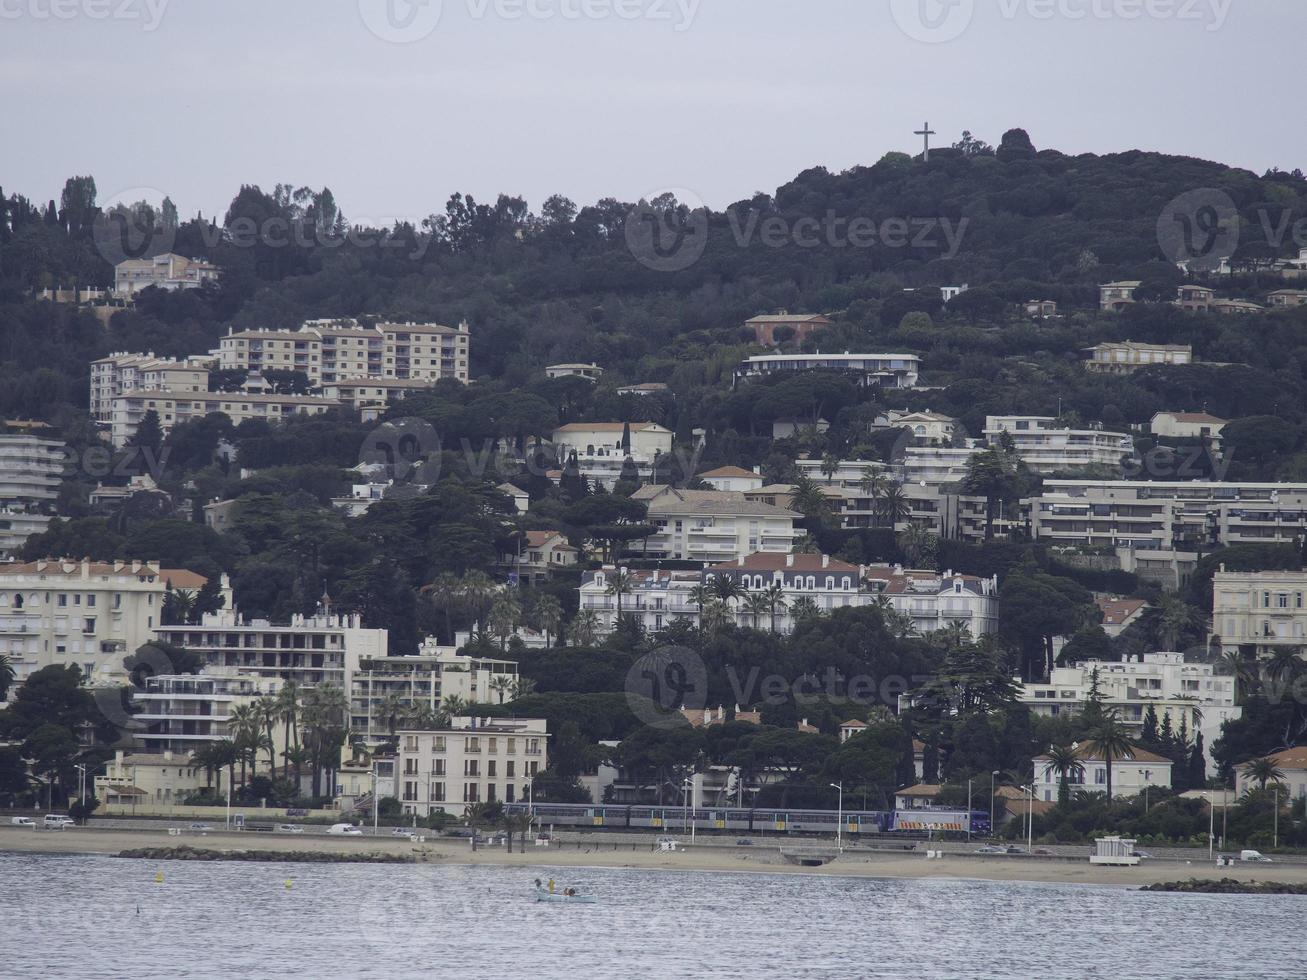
<point x="523" y="687"/>
<point x="477" y="589"/>
<point x="240" y="722"/>
<point x="893" y="506"/>
<point x="548" y="615"/>
<point x="1263" y="771"/>
<point x="804" y="608"/>
<point x="390" y="710"/>
<point x="584" y="629"/>
<point x="268" y="710"/>
<point x="955" y="635"/>
<point x="454" y="705"/>
<point x="288" y="703"/>
<point x="7" y="676"/>
<point x="447" y="595"/>
<point x="1064" y="761"/>
<point x="726" y="589"/>
<point x="700" y="596"/>
<point x="501" y="684"/>
<point x="776" y="600"/>
<point x="872" y="485"/>
<point x="757" y="605"/>
<point x="505" y="614"/>
<point x="620" y="583"/>
<point x="1174" y="618"/>
<point x="223" y="753"/>
<point x="1110" y="738"/>
<point x="203" y="758"/>
<point x="830" y="465"/>
<point x="714" y="616"/>
<point x="324" y="719"/>
<point x="1285" y="665"/>
<point x="1233" y="664"/>
<point x="917" y="544"/>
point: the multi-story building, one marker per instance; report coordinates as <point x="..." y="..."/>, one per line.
<point x="119" y="373"/>
<point x="325" y="648"/>
<point x="1047" y="447"/>
<point x="1132" y="774"/>
<point x="712" y="525"/>
<point x="481" y="760"/>
<point x="1287" y="298"/>
<point x="153" y="779"/>
<point x="370" y="397"/>
<point x="179" y="713"/>
<point x="1126" y="356"/>
<point x="539" y="554"/>
<point x="31" y="469"/>
<point x="794" y="327"/>
<point x="171" y="408"/>
<point x="1291" y="762"/>
<point x="927" y="428"/>
<point x="1116" y="296"/>
<point x="829" y="583"/>
<point x="735" y="478"/>
<point x="599" y="449"/>
<point x="935" y="600"/>
<point x="1263" y="611"/>
<point x="934" y="466"/>
<point x="83" y="613"/>
<point x="168" y="271"/>
<point x="883" y="370"/>
<point x="1167" y="515"/>
<point x="655" y="598"/>
<point x="327" y="351"/>
<point x="435" y="675"/>
<point x="1192" y="694"/>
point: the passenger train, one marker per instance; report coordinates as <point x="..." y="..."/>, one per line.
<point x="757" y="820"/>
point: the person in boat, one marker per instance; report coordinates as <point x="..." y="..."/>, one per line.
<point x="551" y="886"/>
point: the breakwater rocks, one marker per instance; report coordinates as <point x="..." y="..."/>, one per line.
<point x="185" y="853"/>
<point x="1227" y="886"/>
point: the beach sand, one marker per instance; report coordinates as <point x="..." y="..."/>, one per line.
<point x="700" y="857"/>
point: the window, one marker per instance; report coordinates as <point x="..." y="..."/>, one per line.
<point x="509" y="769"/>
<point x="490" y="769"/>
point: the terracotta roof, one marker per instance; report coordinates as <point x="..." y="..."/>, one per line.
<point x="1194" y="417"/>
<point x="538" y="539"/>
<point x="921" y="789"/>
<point x="730" y="471"/>
<point x="1088" y="753"/>
<point x="776" y="562"/>
<point x="668" y="500"/>
<point x="1295" y="758"/>
<point x="787" y="318"/>
<point x="178" y="578"/>
<point x="1116" y="612"/>
<point x="854" y="723"/>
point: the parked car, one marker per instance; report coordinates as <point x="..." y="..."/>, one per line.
<point x="1255" y="857"/>
<point x="1045" y="852"/>
<point x="22" y="821"/>
<point x="55" y="821"/>
<point x="460" y="832"/>
<point x="289" y="828"/>
<point x="403" y="832"/>
<point x="202" y="828"/>
<point x="1142" y="855"/>
<point x="991" y="849"/>
<point x="344" y="829"/>
<point x="744" y="842"/>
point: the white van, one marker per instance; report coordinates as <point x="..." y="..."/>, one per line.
<point x="22" y="821"/>
<point x="1254" y="856"/>
<point x="57" y="821"/>
<point x="347" y="829"/>
<point x="289" y="828"/>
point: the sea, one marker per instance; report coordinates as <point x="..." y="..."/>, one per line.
<point x="107" y="917"/>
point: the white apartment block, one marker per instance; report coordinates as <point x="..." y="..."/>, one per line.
<point x="935" y="600"/>
<point x="1263" y="610"/>
<point x="656" y="598"/>
<point x="883" y="370"/>
<point x="168" y="271"/>
<point x="180" y="713"/>
<point x="31" y="469"/>
<point x="934" y="466"/>
<point x="325" y="648"/>
<point x="849" y="474"/>
<point x="1191" y="693"/>
<point x="328" y="351"/>
<point x="1167" y="515"/>
<point x="713" y="525"/>
<point x="83" y="613"/>
<point x="829" y="583"/>
<point x="436" y="673"/>
<point x="481" y="760"/>
<point x="600" y="456"/>
<point x="370" y="397"/>
<point x="1132" y="774"/>
<point x="174" y="407"/>
<point x="119" y="373"/>
<point x="1046" y="447"/>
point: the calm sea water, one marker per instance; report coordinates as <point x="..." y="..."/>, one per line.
<point x="103" y="917"/>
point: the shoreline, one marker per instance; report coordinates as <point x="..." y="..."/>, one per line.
<point x="701" y="858"/>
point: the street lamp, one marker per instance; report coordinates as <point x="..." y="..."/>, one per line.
<point x="968" y="808"/>
<point x="1030" y="819"/>
<point x="686" y="785"/>
<point x="839" y="818"/>
<point x="1276" y="842"/>
<point x="993" y="806"/>
<point x="375" y="802"/>
<point x="81" y="786"/>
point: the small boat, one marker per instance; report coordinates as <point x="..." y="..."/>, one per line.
<point x="544" y="895"/>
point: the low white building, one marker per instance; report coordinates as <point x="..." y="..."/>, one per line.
<point x="591" y="372"/>
<point x="713" y="525"/>
<point x="154" y="779"/>
<point x="655" y="598"/>
<point x="926" y="427"/>
<point x="1291" y="762"/>
<point x="1132" y="774"/>
<point x="600" y="453"/>
<point x="1188" y="425"/>
<point x="883" y="370"/>
<point x="1192" y="694"/>
<point x="734" y="478"/>
<point x="935" y="466"/>
<point x="1047" y="447"/>
<point x="481" y="760"/>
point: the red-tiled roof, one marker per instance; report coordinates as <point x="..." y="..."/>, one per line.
<point x="776" y="562"/>
<point x="1116" y="612"/>
<point x="731" y="471"/>
<point x="1087" y="752"/>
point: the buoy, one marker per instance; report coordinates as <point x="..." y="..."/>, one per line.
<point x="158" y="877"/>
<point x="289" y="883"/>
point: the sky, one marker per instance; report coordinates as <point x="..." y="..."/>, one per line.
<point x="395" y="104"/>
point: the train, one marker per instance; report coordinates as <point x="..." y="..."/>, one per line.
<point x="921" y="822"/>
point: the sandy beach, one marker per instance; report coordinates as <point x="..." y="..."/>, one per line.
<point x="700" y="857"/>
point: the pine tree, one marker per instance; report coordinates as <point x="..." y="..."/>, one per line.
<point x="1198" y="764"/>
<point x="1149" y="734"/>
<point x="1167" y="734"/>
<point x="930" y="760"/>
<point x="1095" y="702"/>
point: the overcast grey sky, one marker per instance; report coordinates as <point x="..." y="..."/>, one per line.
<point x="394" y="109"/>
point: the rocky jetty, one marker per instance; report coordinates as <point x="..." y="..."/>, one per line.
<point x="1227" y="886"/>
<point x="185" y="853"/>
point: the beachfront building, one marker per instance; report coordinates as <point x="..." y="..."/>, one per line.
<point x="1191" y="694"/>
<point x="602" y="448"/>
<point x="172" y="408"/>
<point x="154" y="779"/>
<point x="385" y="692"/>
<point x="1259" y="612"/>
<point x="882" y="370"/>
<point x="179" y="713"/>
<point x="478" y="760"/>
<point x="1047" y="447"/>
<point x="712" y="525"/>
<point x="82" y="613"/>
<point x="1132" y="774"/>
<point x="31" y="470"/>
<point x="1291" y="762"/>
<point x="167" y="271"/>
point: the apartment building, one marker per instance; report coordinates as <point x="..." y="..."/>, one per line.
<point x="31" y="469"/>
<point x="1192" y="694"/>
<point x="935" y="600"/>
<point x="325" y="648"/>
<point x="656" y="598"/>
<point x="829" y="583"/>
<point x="1260" y="611"/>
<point x="180" y="713"/>
<point x="1046" y="447"/>
<point x="956" y="517"/>
<point x="435" y="674"/>
<point x="1132" y="774"/>
<point x="172" y="407"/>
<point x="121" y="372"/>
<point x="935" y="466"/>
<point x="599" y="449"/>
<point x="1167" y="515"/>
<point x="713" y="525"/>
<point x="792" y="327"/>
<point x="83" y="613"/>
<point x="480" y="760"/>
<point x="329" y="351"/>
<point x="1126" y="356"/>
<point x="168" y="271"/>
<point x="370" y="397"/>
<point x="882" y="370"/>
